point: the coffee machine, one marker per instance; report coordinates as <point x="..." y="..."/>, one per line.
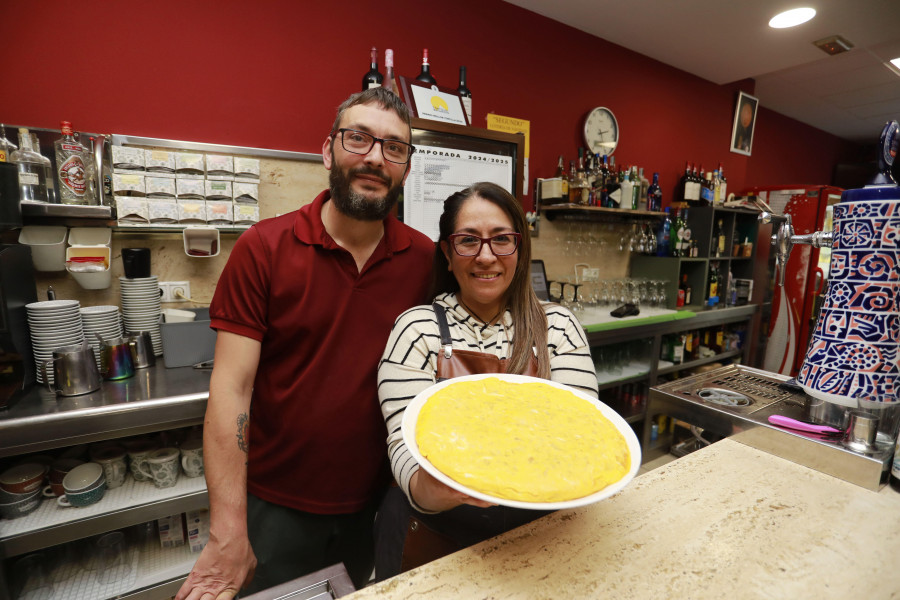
<point x="17" y="288"/>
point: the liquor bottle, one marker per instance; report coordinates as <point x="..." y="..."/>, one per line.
<point x="6" y="146"/>
<point x="679" y="297"/>
<point x="32" y="179"/>
<point x="373" y="78"/>
<point x="716" y="200"/>
<point x="425" y="74"/>
<point x="719" y="244"/>
<point x="678" y="229"/>
<point x="723" y="185"/>
<point x="696" y="179"/>
<point x="685" y="233"/>
<point x="614" y="187"/>
<point x="635" y="188"/>
<point x="663" y="236"/>
<point x="654" y="195"/>
<point x="465" y="94"/>
<point x="685" y="183"/>
<point x="604" y="182"/>
<point x="687" y="289"/>
<point x="389" y="83"/>
<point x="713" y="285"/>
<point x="574" y="189"/>
<point x="71" y="170"/>
<point x="626" y="189"/>
<point x="579" y="190"/>
<point x="48" y="169"/>
<point x="706" y="190"/>
<point x="643" y="200"/>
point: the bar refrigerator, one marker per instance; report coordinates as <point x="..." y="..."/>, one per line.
<point x="792" y="313"/>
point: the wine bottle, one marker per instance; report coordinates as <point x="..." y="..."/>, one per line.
<point x="465" y="94"/>
<point x="720" y="240"/>
<point x="389" y="83"/>
<point x="723" y="185"/>
<point x="654" y="195"/>
<point x="713" y="285"/>
<point x="684" y="185"/>
<point x="373" y="78"/>
<point x="425" y="74"/>
<point x="663" y="237"/>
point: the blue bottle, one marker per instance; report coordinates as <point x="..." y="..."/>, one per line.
<point x="663" y="235"/>
<point x="654" y="195"/>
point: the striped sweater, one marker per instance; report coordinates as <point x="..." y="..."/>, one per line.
<point x="409" y="363"/>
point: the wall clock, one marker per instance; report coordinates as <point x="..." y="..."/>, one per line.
<point x="601" y="131"/>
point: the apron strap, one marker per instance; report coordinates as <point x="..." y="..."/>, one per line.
<point x="446" y="340"/>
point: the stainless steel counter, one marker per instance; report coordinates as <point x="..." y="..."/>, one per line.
<point x="155" y="398"/>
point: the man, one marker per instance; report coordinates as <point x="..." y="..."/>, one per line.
<point x="294" y="440"/>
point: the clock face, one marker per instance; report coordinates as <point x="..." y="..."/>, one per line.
<point x="601" y="131"/>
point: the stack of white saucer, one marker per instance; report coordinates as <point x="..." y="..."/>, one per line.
<point x="53" y="324"/>
<point x="102" y="320"/>
<point x="140" y="307"/>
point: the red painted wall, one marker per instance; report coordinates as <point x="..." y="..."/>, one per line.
<point x="271" y="73"/>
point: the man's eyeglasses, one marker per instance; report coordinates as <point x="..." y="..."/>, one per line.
<point x="502" y="244"/>
<point x="360" y="142"/>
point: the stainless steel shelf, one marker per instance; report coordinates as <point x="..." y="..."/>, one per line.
<point x="133" y="503"/>
<point x="154" y="399"/>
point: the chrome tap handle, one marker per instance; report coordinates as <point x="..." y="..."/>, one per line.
<point x="100" y="143"/>
<point x="783" y="240"/>
<point x="816" y="239"/>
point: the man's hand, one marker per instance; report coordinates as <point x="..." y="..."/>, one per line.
<point x="222" y="569"/>
<point x="431" y="494"/>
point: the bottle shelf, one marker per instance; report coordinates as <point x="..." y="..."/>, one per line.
<point x="552" y="211"/>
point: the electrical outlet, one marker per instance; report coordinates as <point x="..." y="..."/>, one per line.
<point x="175" y="291"/>
<point x="181" y="291"/>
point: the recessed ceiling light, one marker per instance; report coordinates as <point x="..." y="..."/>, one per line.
<point x="896" y="62"/>
<point x="792" y="18"/>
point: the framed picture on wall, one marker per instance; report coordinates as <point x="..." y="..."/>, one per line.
<point x="744" y="123"/>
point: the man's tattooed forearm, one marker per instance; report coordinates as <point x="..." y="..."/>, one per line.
<point x="243" y="432"/>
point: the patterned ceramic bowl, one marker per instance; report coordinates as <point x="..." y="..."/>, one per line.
<point x="84" y="497"/>
<point x="21" y="507"/>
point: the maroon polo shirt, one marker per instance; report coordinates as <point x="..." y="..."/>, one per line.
<point x="317" y="437"/>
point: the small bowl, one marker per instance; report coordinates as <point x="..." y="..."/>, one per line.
<point x="174" y="315"/>
<point x="84" y="497"/>
<point x="23" y="478"/>
<point x="21" y="507"/>
<point x="83" y="478"/>
<point x="61" y="467"/>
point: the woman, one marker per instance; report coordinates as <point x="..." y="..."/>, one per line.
<point x="494" y="324"/>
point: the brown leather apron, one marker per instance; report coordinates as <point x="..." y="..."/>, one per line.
<point x="423" y="544"/>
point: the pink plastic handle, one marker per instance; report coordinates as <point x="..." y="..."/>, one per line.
<point x="800" y="425"/>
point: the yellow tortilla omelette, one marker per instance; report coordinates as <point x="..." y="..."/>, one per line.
<point x="529" y="442"/>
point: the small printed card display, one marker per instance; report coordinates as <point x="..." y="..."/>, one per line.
<point x="129" y="184"/>
<point x="159" y="160"/>
<point x="127" y="158"/>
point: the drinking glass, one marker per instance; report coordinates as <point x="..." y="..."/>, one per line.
<point x="113" y="558"/>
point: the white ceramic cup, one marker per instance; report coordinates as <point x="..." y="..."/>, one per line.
<point x="112" y="459"/>
<point x="192" y="457"/>
<point x="162" y="467"/>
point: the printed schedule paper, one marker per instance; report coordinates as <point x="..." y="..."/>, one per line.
<point x="436" y="173"/>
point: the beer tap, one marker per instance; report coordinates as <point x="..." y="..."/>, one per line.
<point x="784" y="239"/>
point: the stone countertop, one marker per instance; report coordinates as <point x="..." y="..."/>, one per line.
<point x="725" y="521"/>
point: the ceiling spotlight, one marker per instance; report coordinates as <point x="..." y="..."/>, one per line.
<point x="896" y="62"/>
<point x="792" y="18"/>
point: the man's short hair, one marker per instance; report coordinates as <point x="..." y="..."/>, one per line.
<point x="380" y="96"/>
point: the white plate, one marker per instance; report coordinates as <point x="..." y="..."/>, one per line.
<point x="411" y="417"/>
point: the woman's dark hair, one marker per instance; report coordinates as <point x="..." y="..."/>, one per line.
<point x="528" y="315"/>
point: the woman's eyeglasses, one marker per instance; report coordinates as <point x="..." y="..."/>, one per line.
<point x="502" y="244"/>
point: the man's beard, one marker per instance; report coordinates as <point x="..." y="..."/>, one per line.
<point x="356" y="205"/>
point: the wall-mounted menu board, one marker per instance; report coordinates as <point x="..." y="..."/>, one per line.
<point x="451" y="157"/>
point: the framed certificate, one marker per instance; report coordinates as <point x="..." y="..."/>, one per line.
<point x="433" y="102"/>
